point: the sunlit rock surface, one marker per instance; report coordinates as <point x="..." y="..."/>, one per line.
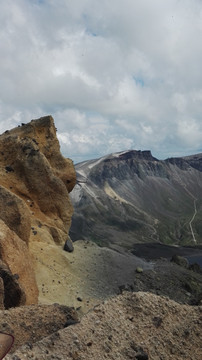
<point x="35" y="181"/>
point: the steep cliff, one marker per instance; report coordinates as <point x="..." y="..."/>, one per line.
<point x="35" y="181"/>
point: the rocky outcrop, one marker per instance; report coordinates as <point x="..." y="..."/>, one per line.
<point x="32" y="323"/>
<point x="36" y="172"/>
<point x="35" y="181"/>
<point x="180" y="260"/>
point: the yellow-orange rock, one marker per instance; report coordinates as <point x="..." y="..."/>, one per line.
<point x="15" y="254"/>
<point x="34" y="169"/>
<point x="15" y="213"/>
<point x="35" y="208"/>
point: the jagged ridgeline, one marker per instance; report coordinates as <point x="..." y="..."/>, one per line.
<point x="35" y="209"/>
<point x="131" y="197"/>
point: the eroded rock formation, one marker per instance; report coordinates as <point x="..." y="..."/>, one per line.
<point x="35" y="180"/>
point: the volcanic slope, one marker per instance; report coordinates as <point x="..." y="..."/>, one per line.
<point x="131" y="197"/>
<point x="130" y="326"/>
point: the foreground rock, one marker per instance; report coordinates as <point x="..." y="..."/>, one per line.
<point x="35" y="181"/>
<point x="32" y="323"/>
<point x="130" y="326"/>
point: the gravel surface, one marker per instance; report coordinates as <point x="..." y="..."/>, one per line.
<point x="129" y="326"/>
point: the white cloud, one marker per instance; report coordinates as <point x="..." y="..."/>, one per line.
<point x="190" y="132"/>
<point x="179" y="102"/>
<point x="114" y="74"/>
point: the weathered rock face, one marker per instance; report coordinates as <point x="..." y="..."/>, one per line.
<point x="35" y="180"/>
<point x="37" y="173"/>
<point x="15" y="213"/>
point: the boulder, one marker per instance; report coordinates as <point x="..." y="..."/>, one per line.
<point x="180" y="260"/>
<point x="69" y="247"/>
<point x="196" y="268"/>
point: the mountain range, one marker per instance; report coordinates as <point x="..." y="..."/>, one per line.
<point x="131" y="197"/>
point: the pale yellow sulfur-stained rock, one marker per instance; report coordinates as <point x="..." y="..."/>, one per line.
<point x="33" y="168"/>
<point x="15" y="213"/>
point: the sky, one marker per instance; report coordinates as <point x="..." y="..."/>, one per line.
<point x="114" y="74"/>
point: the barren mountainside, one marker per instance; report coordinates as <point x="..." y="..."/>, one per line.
<point x="131" y="197"/>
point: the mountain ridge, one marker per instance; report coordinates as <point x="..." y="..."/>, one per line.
<point x="131" y="193"/>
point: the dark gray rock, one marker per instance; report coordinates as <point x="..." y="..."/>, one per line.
<point x="68" y="246"/>
<point x="11" y="294"/>
<point x="196" y="268"/>
<point x="180" y="260"/>
<point x="9" y="169"/>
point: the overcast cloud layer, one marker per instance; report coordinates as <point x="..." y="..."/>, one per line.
<point x="114" y="74"/>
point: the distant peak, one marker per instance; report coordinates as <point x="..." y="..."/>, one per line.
<point x="133" y="154"/>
